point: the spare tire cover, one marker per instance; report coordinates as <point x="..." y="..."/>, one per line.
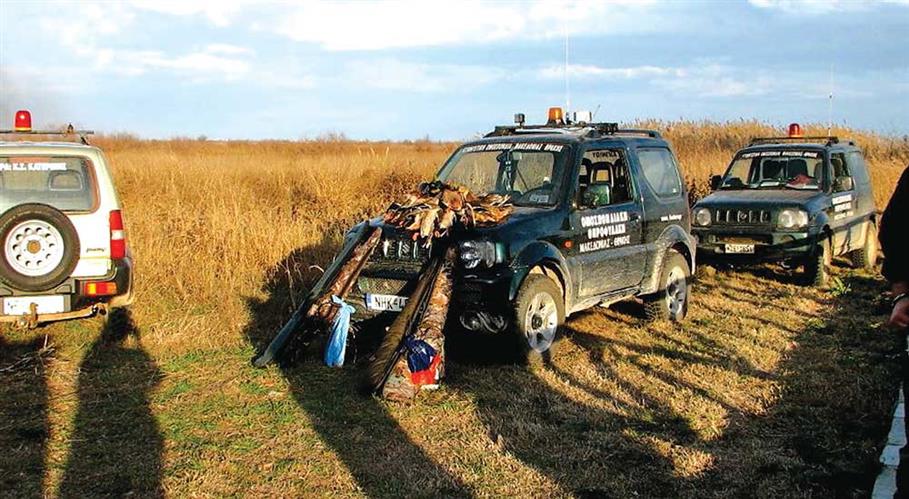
<point x="39" y="247"/>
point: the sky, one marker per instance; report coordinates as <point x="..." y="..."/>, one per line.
<point x="447" y="70"/>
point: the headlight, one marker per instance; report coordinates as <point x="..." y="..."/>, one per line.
<point x="486" y="252"/>
<point x="792" y="219"/>
<point x="702" y="217"/>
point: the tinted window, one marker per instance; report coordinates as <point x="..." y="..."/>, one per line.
<point x="856" y="165"/>
<point x="661" y="172"/>
<point x="62" y="182"/>
<point x="529" y="172"/>
<point x="779" y="169"/>
<point x="605" y="167"/>
<point x="840" y="169"/>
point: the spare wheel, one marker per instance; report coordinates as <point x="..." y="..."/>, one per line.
<point x="40" y="247"/>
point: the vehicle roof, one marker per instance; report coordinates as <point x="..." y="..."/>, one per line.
<point x="814" y="146"/>
<point x="47" y="147"/>
<point x="567" y="136"/>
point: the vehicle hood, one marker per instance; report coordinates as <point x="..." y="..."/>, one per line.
<point x="760" y="198"/>
<point x="522" y="219"/>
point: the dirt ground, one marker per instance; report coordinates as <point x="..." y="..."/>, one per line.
<point x="770" y="389"/>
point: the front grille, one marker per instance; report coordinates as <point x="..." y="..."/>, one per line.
<point x="381" y="286"/>
<point x="735" y="216"/>
<point x="401" y="249"/>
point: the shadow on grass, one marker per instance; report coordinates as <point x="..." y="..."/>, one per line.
<point x="116" y="447"/>
<point x="618" y="416"/>
<point x="357" y="427"/>
<point x="23" y="416"/>
<point x="606" y="423"/>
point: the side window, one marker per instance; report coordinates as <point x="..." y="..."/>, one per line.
<point x="661" y="172"/>
<point x="604" y="179"/>
<point x="840" y="171"/>
<point x="856" y="166"/>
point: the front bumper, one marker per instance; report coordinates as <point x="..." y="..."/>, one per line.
<point x="769" y="245"/>
<point x="480" y="291"/>
<point x="77" y="305"/>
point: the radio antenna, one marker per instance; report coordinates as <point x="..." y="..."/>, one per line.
<point x="830" y="104"/>
<point x="567" y="81"/>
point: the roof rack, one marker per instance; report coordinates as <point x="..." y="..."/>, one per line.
<point x="583" y="129"/>
<point x="69" y="130"/>
<point x="828" y="139"/>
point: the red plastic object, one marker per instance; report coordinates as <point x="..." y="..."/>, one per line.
<point x="427" y="376"/>
<point x="23" y="121"/>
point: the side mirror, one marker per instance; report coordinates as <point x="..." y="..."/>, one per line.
<point x="597" y="195"/>
<point x="715" y="182"/>
<point x="843" y="184"/>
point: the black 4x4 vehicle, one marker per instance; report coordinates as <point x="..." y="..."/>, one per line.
<point x="795" y="199"/>
<point x="600" y="214"/>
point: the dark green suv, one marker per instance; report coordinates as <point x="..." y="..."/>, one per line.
<point x="797" y="200"/>
<point x="600" y="214"/>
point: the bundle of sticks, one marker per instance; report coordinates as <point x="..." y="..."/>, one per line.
<point x="435" y="207"/>
<point x="430" y="212"/>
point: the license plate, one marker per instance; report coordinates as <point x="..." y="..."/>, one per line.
<point x="739" y="248"/>
<point x="22" y="305"/>
<point x="392" y="303"/>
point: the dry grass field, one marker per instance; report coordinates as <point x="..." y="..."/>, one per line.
<point x="769" y="389"/>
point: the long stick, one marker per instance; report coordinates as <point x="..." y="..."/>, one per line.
<point x="303" y="311"/>
<point x="421" y="297"/>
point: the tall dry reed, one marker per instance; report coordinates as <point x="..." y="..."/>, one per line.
<point x="210" y="221"/>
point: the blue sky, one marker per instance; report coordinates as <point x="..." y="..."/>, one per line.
<point x="399" y="70"/>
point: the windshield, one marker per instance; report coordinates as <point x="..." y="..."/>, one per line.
<point x="784" y="169"/>
<point x="530" y="173"/>
<point x="62" y="182"/>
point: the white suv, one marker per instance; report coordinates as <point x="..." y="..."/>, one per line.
<point x="63" y="249"/>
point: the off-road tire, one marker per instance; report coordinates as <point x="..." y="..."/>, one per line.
<point x="532" y="331"/>
<point x="866" y="257"/>
<point x="666" y="304"/>
<point x="817" y="266"/>
<point x="49" y="215"/>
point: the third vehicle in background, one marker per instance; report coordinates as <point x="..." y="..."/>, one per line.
<point x="796" y="200"/>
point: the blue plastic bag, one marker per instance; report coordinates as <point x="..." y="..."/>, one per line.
<point x="337" y="342"/>
<point x="419" y="354"/>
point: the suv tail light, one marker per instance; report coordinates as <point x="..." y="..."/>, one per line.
<point x="117" y="236"/>
<point x="106" y="288"/>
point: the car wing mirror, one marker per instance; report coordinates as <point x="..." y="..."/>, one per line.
<point x="843" y="184"/>
<point x="715" y="182"/>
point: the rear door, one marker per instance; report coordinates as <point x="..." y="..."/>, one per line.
<point x="666" y="197"/>
<point x="606" y="232"/>
<point x="843" y="212"/>
<point x="69" y="183"/>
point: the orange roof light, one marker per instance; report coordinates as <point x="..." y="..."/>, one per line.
<point x="555" y="116"/>
<point x="23" y="121"/>
<point x="795" y="130"/>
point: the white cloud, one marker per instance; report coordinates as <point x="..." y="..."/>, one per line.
<point x="393" y="74"/>
<point x="711" y="79"/>
<point x="812" y="6"/>
<point x="716" y="80"/>
<point x="221" y="13"/>
<point x="227" y="49"/>
<point x="89" y="29"/>
<point x="413" y="23"/>
<point x="588" y="71"/>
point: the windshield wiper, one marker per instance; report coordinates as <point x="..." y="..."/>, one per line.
<point x="802" y="187"/>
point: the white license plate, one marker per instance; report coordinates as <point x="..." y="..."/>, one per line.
<point x="22" y="305"/>
<point x="739" y="248"/>
<point x="382" y="303"/>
